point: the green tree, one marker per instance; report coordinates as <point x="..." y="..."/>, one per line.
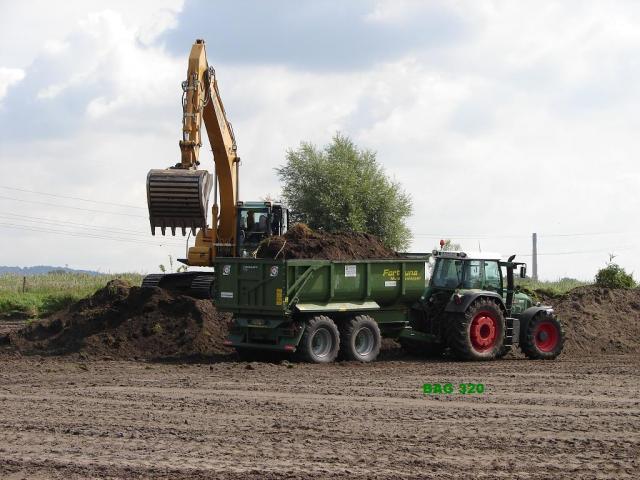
<point x="343" y="188"/>
<point x="614" y="276"/>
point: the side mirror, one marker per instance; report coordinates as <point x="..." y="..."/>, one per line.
<point x="523" y="271"/>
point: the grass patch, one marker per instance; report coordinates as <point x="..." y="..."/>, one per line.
<point x="550" y="289"/>
<point x="48" y="293"/>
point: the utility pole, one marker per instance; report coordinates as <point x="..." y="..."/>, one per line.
<point x="534" y="258"/>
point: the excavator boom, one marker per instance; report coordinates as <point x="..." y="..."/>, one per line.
<point x="178" y="196"/>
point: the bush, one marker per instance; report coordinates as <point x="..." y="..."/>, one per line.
<point x="614" y="276"/>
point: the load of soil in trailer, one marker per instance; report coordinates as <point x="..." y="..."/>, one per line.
<point x="124" y="322"/>
<point x="303" y="242"/>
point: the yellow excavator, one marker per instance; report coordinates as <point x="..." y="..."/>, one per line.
<point x="178" y="197"/>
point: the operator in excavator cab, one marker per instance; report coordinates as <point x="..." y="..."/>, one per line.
<point x="256" y="230"/>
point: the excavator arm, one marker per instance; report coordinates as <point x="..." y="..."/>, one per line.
<point x="178" y="196"/>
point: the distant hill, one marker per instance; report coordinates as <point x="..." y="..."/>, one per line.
<point x="42" y="269"/>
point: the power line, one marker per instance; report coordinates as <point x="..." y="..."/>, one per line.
<point x="97" y="231"/>
<point x="486" y="236"/>
<point x="580" y="252"/>
<point x="28" y="218"/>
<point x="72" y="198"/>
<point x="74" y="208"/>
<point x="81" y="235"/>
<point x="483" y="236"/>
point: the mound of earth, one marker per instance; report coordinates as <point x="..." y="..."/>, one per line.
<point x="120" y="321"/>
<point x="600" y="320"/>
<point x="303" y="242"/>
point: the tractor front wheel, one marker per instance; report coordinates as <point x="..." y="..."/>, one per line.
<point x="543" y="338"/>
<point x="478" y="334"/>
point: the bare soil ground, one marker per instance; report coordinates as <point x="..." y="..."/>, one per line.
<point x="575" y="417"/>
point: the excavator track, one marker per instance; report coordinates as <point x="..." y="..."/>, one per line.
<point x="193" y="284"/>
<point x="178" y="198"/>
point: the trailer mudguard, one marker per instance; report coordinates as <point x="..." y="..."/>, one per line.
<point x="337" y="307"/>
<point x="467" y="298"/>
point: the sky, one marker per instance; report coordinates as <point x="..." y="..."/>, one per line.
<point x="499" y="118"/>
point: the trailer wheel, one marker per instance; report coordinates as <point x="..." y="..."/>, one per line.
<point x="320" y="341"/>
<point x="477" y="334"/>
<point x="543" y="338"/>
<point x="360" y="339"/>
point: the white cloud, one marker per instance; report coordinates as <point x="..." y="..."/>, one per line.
<point x="48" y="25"/>
<point x="526" y="123"/>
<point x="8" y="77"/>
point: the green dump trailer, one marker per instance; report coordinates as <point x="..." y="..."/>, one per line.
<point x="320" y="309"/>
<point x="317" y="308"/>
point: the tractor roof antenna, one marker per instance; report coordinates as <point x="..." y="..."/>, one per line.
<point x="479" y="247"/>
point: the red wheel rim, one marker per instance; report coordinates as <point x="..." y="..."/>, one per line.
<point x="546" y="336"/>
<point x="484" y="331"/>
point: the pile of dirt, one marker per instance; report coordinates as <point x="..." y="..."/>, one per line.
<point x="124" y="322"/>
<point x="600" y="320"/>
<point x="303" y="242"/>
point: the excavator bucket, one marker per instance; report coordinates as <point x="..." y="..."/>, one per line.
<point x="178" y="198"/>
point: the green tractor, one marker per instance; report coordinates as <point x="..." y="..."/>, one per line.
<point x="472" y="307"/>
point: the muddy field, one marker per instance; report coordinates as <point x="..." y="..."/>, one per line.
<point x="110" y="388"/>
<point x="64" y="418"/>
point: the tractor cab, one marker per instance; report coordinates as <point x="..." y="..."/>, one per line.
<point x="459" y="271"/>
<point x="257" y="221"/>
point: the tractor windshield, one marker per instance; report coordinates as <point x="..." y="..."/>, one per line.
<point x="468" y="274"/>
<point x="447" y="273"/>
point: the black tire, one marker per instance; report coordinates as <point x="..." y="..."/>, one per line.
<point x="320" y="342"/>
<point x="360" y="339"/>
<point x="543" y="337"/>
<point x="486" y="318"/>
<point x="422" y="350"/>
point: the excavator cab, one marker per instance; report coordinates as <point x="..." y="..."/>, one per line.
<point x="257" y="221"/>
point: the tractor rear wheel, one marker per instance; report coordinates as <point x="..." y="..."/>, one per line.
<point x="320" y="341"/>
<point x="360" y="339"/>
<point x="477" y="334"/>
<point x="543" y="338"/>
